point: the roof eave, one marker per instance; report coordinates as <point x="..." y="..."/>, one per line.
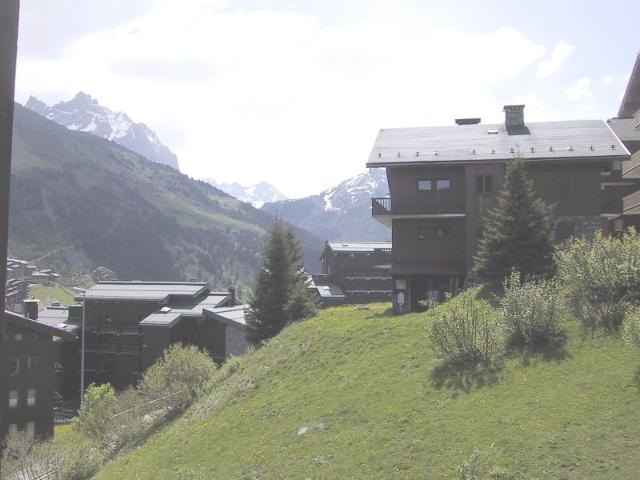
<point x="500" y="160"/>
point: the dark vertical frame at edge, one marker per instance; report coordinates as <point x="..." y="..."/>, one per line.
<point x="9" y="10"/>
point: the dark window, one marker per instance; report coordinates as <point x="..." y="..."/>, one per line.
<point x="483" y="184"/>
<point x="32" y="363"/>
<point x="443" y="184"/>
<point x="433" y="233"/>
<point x="424" y="185"/>
<point x="13" y="399"/>
<point x="14" y="366"/>
<point x="30" y="337"/>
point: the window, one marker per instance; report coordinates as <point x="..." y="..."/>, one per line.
<point x="443" y="184"/>
<point x="31" y="429"/>
<point x="14" y="366"/>
<point x="32" y="363"/>
<point x="31" y="397"/>
<point x="483" y="184"/>
<point x="428" y="184"/>
<point x="30" y="337"/>
<point x="424" y="185"/>
<point x="433" y="233"/>
<point x="17" y="337"/>
<point x="13" y="429"/>
<point x="13" y="399"/>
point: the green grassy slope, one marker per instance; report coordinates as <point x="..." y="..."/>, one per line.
<point x="357" y="394"/>
<point x="79" y="201"/>
<point x="48" y="295"/>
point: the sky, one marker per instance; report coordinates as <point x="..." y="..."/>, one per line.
<point x="294" y="92"/>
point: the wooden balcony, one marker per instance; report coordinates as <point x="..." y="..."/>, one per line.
<point x="631" y="168"/>
<point x="417" y="205"/>
<point x="631" y="204"/>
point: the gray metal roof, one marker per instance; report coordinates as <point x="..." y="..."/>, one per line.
<point x="144" y="291"/>
<point x="358" y="246"/>
<point x="625" y="129"/>
<point x="168" y="316"/>
<point x="328" y="291"/>
<point x="24" y="322"/>
<point x="231" y="315"/>
<point x="470" y="143"/>
<point x="53" y="316"/>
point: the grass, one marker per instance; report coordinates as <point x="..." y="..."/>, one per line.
<point x="48" y="295"/>
<point x="357" y="393"/>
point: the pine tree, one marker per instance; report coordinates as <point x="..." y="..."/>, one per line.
<point x="518" y="233"/>
<point x="280" y="295"/>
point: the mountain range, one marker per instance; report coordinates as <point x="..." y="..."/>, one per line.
<point x="85" y="114"/>
<point x="79" y="201"/>
<point x="257" y="195"/>
<point x="341" y="213"/>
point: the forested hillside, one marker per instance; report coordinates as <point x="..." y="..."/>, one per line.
<point x="79" y="201"/>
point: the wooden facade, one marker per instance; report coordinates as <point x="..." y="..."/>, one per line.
<point x="356" y="272"/>
<point x="29" y="375"/>
<point x="444" y="180"/>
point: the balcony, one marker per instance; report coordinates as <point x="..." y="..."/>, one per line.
<point x="418" y="205"/>
<point x="631" y="168"/>
<point x="631" y="204"/>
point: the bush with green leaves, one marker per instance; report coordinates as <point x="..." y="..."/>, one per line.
<point x="631" y="332"/>
<point x="69" y="456"/>
<point x="465" y="331"/>
<point x="601" y="277"/>
<point x="179" y="377"/>
<point x="531" y="311"/>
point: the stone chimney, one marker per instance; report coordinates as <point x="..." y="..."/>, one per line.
<point x="31" y="308"/>
<point x="232" y="295"/>
<point x="514" y="116"/>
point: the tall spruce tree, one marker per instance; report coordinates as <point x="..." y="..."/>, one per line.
<point x="280" y="295"/>
<point x="518" y="232"/>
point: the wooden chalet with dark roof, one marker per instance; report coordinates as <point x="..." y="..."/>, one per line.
<point x="443" y="180"/>
<point x="354" y="272"/>
<point x="29" y="351"/>
<point x="627" y="127"/>
<point x="130" y="324"/>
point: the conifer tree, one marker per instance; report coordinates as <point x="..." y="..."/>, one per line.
<point x="280" y="295"/>
<point x="518" y="232"/>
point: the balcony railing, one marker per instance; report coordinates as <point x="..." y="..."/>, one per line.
<point x="417" y="205"/>
<point x="631" y="168"/>
<point x="631" y="203"/>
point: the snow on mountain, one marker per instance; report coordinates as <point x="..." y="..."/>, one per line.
<point x="257" y="194"/>
<point x="85" y="114"/>
<point x="340" y="213"/>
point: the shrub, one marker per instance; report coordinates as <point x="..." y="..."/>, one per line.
<point x="530" y="311"/>
<point x="631" y="331"/>
<point x="465" y="331"/>
<point x="601" y="276"/>
<point x="178" y="378"/>
<point x="71" y="457"/>
<point x="95" y="417"/>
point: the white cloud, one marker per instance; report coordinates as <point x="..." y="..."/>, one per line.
<point x="249" y="95"/>
<point x="607" y="79"/>
<point x="551" y="65"/>
<point x="580" y="90"/>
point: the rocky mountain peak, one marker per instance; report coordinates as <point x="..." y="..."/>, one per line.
<point x="84" y="113"/>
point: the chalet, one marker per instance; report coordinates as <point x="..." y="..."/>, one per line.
<point x="356" y="272"/>
<point x="627" y="127"/>
<point x="443" y="180"/>
<point x="28" y="375"/>
<point x="130" y="324"/>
